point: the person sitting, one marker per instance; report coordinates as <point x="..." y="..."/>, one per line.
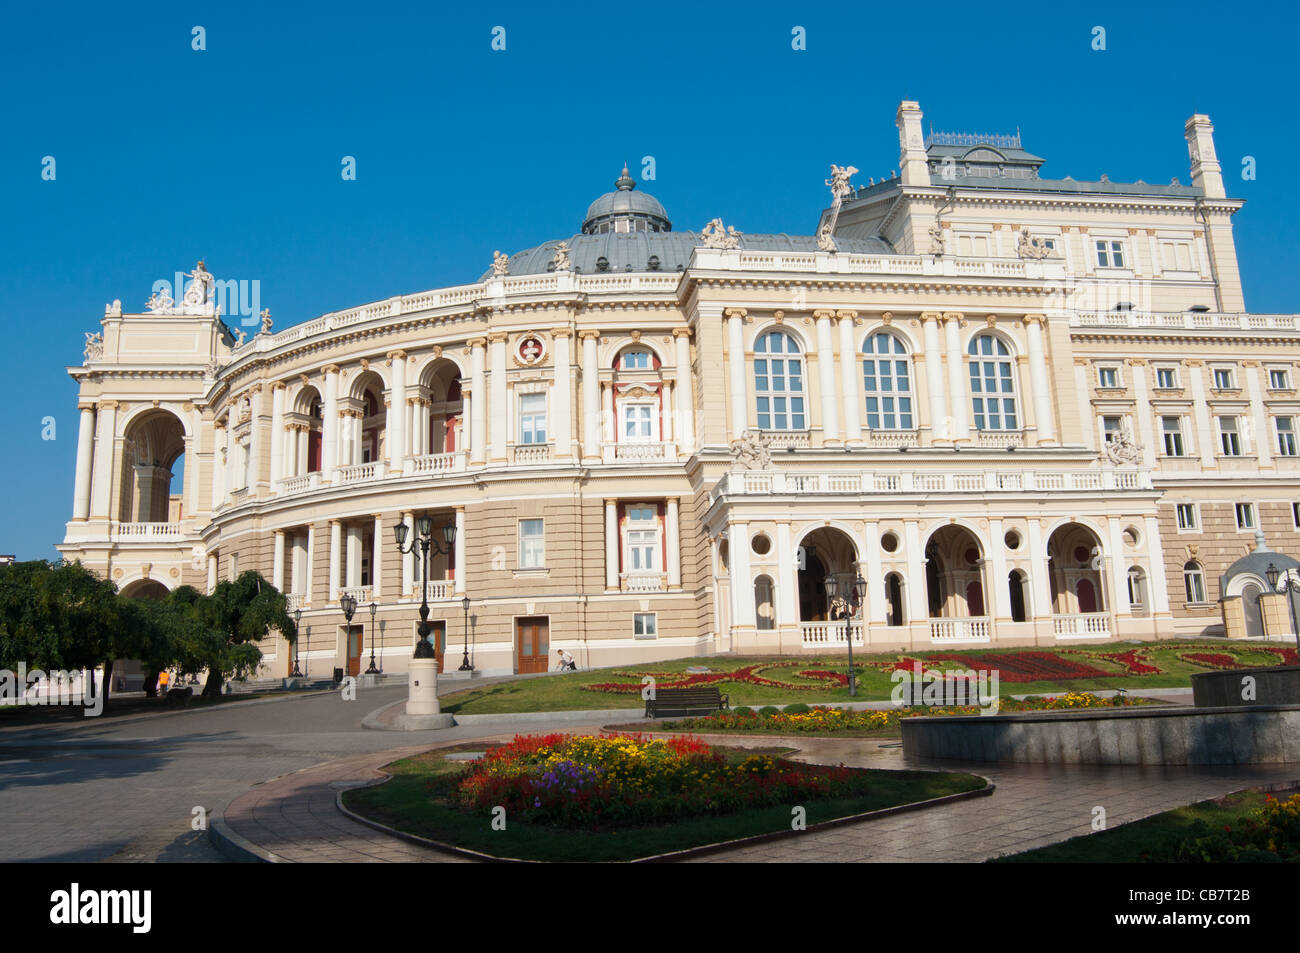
<point x="566" y="662"/>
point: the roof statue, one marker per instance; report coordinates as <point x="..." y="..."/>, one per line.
<point x="752" y="451"/>
<point x="561" y="259"/>
<point x="198" y="291"/>
<point x="839" y="182"/>
<point x="714" y="235"/>
<point x="500" y="264"/>
<point x="825" y="240"/>
<point x="94" y="346"/>
<point x="936" y="239"/>
<point x="1029" y="247"/>
<point x="266" y="321"/>
<point x="160" y="302"/>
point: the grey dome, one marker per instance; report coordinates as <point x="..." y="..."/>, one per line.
<point x="625" y="203"/>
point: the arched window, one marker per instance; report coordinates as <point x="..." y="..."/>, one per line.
<point x="887" y="380"/>
<point x="1194" y="581"/>
<point x="992" y="384"/>
<point x="635" y="359"/>
<point x="778" y="382"/>
<point x="1137" y="589"/>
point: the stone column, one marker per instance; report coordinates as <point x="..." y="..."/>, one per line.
<point x="85" y="462"/>
<point x="609" y="426"/>
<point x="940" y="427"/>
<point x="875" y="573"/>
<point x="742" y="581"/>
<point x="787" y="577"/>
<point x="562" y="394"/>
<point x="1157" y="583"/>
<point x="672" y="540"/>
<point x="310" y="564"/>
<point x="1141" y="410"/>
<point x="1001" y="601"/>
<point x="918" y="607"/>
<point x="255" y="442"/>
<point x="1263" y="433"/>
<point x="736" y="374"/>
<point x="1039" y="581"/>
<point x="1039" y="379"/>
<point x="590" y="397"/>
<point x="277" y="563"/>
<point x="685" y="405"/>
<point x="336" y="546"/>
<point x="330" y="435"/>
<point x="1088" y="425"/>
<point x="352" y="572"/>
<point x="1205" y="436"/>
<point x="460" y="550"/>
<point x="957" y="377"/>
<point x="277" y="434"/>
<point x="669" y="412"/>
<point x="466" y="429"/>
<point x="849" y="377"/>
<point x="377" y="559"/>
<point x="1118" y="594"/>
<point x="500" y="412"/>
<point x="826" y="376"/>
<point x="104" y="461"/>
<point x="611" y="544"/>
<point x="397" y="442"/>
<point x="212" y="572"/>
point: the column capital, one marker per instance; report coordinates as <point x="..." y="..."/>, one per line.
<point x="85" y="405"/>
<point x="589" y="334"/>
<point x="1195" y="363"/>
<point x="278" y="385"/>
<point x="823" y="314"/>
<point x="498" y="337"/>
<point x="330" y="369"/>
<point x="1136" y="361"/>
<point x="931" y="316"/>
<point x="1035" y="319"/>
<point x="953" y="316"/>
<point x="610" y="499"/>
<point x="397" y="355"/>
<point x="564" y="332"/>
<point x="681" y="332"/>
<point x="847" y="314"/>
<point x="278" y="532"/>
<point x="735" y="312"/>
<point x="476" y="342"/>
<point x="1243" y="363"/>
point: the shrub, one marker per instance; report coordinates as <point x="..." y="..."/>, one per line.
<point x="742" y="710"/>
<point x="799" y="708"/>
<point x="769" y="710"/>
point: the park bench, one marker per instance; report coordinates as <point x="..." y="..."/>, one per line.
<point x="684" y="700"/>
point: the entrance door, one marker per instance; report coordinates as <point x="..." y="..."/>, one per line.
<point x="354" y="649"/>
<point x="439" y="639"/>
<point x="532" y="644"/>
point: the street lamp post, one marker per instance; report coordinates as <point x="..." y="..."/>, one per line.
<point x="1286" y="582"/>
<point x="425" y="541"/>
<point x="372" y="670"/>
<point x="852" y="601"/>
<point x="465" y="666"/>
<point x="349" y="605"/>
<point x="297" y="642"/>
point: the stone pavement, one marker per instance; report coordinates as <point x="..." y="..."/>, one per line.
<point x="296" y="817"/>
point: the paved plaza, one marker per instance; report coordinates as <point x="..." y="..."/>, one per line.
<point x="125" y="791"/>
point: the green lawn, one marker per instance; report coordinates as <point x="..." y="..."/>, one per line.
<point x="1151" y="840"/>
<point x="416" y="800"/>
<point x="569" y="691"/>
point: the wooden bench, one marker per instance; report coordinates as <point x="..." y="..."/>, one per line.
<point x="684" y="701"/>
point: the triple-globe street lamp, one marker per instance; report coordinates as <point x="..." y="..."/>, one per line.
<point x="297" y="642"/>
<point x="424" y="540"/>
<point x="1289" y="583"/>
<point x="852" y="601"/>
<point x="465" y="666"/>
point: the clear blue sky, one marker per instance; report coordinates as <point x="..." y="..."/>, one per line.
<point x="165" y="155"/>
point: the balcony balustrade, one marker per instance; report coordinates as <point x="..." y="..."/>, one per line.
<point x="642" y="582"/>
<point x="960" y="629"/>
<point x="524" y="454"/>
<point x="1082" y="625"/>
<point x="761" y="482"/>
<point x="147" y="532"/>
<point x="653" y="452"/>
<point x="360" y="473"/>
<point x="817" y="634"/>
<point x="435" y="463"/>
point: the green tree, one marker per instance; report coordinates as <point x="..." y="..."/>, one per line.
<point x="226" y="626"/>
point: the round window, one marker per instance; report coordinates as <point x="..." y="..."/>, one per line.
<point x="1131" y="536"/>
<point x="972" y="556"/>
<point x="761" y="544"/>
<point x="1012" y="539"/>
<point x="889" y="543"/>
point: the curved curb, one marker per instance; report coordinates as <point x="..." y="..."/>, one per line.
<point x="236" y="848"/>
<point x="670" y="857"/>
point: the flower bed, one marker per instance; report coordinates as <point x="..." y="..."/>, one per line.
<point x="825" y="720"/>
<point x="592" y="782"/>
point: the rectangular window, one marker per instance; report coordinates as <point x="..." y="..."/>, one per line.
<point x="1108" y="377"/>
<point x="1110" y="254"/>
<point x="1285" y="435"/>
<point x="1279" y="380"/>
<point x="1223" y="378"/>
<point x="1245" y="515"/>
<point x="532" y="544"/>
<point x="1172" y="432"/>
<point x="532" y="418"/>
<point x="1229" y="439"/>
<point x="1186" y="516"/>
<point x="1166" y="378"/>
<point x="645" y="625"/>
<point x="1112" y="428"/>
<point x="638" y="422"/>
<point x="1295" y="514"/>
<point x="642" y="539"/>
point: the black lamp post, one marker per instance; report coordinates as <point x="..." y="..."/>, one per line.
<point x="297" y="642"/>
<point x="465" y="666"/>
<point x="372" y="670"/>
<point x="1289" y="585"/>
<point x="425" y="541"/>
<point x="349" y="605"/>
<point x="852" y="600"/>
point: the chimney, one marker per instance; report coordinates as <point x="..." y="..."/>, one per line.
<point x="1205" y="164"/>
<point x="911" y="144"/>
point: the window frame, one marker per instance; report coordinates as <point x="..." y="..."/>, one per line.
<point x="1106" y="257"/>
<point x="1172" y="371"/>
<point x="1195" y="525"/>
<point x="1286" y="378"/>
<point x="1114" y="370"/>
<point x="628" y="529"/>
<point x="1286" y="440"/>
<point x="1196" y="573"/>
<point x="768" y="397"/>
<point x="1165" y="434"/>
<point x="1224" y="434"/>
<point x="979" y="399"/>
<point x="524" y="418"/>
<point x="638" y="621"/>
<point x="895" y="399"/>
<point x="526" y="553"/>
<point x="1247" y="508"/>
<point x="1231" y="378"/>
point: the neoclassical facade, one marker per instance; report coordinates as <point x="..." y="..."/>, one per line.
<point x="1024" y="410"/>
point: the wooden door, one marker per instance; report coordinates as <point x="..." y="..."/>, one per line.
<point x="354" y="649"/>
<point x="439" y="638"/>
<point x="532" y="644"/>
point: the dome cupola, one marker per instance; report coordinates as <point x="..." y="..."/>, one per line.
<point x="626" y="210"/>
